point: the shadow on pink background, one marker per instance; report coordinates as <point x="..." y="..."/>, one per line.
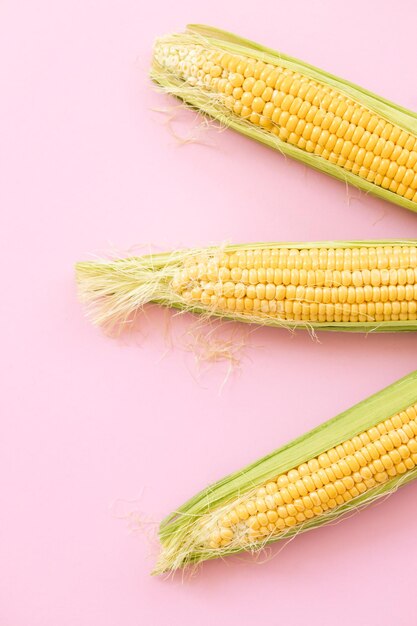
<point x="88" y="165"/>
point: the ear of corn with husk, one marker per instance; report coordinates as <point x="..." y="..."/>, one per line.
<point x="353" y="459"/>
<point x="300" y="110"/>
<point x="349" y="286"/>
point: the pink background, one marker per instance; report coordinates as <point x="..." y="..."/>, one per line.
<point x="87" y="166"/>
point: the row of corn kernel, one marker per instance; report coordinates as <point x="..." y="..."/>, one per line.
<point x="303" y="277"/>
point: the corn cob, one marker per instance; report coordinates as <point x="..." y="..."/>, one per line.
<point x="357" y="286"/>
<point x="348" y="462"/>
<point x="305" y="113"/>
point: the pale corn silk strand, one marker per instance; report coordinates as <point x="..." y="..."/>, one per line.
<point x="256" y="506"/>
<point x="305" y="113"/>
<point x="350" y="286"/>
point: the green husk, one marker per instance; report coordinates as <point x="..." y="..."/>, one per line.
<point x="204" y="102"/>
<point x="115" y="291"/>
<point x="178" y="531"/>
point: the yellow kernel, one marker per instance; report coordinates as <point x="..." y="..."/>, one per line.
<point x="262" y="519"/>
<point x="226" y="533"/>
<point x="258" y="88"/>
<point x="272" y="516"/>
<point x="253" y="523"/>
<point x="282" y="481"/>
<point x="258" y="105"/>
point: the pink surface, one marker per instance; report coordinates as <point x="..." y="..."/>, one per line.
<point x="88" y="165"/>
